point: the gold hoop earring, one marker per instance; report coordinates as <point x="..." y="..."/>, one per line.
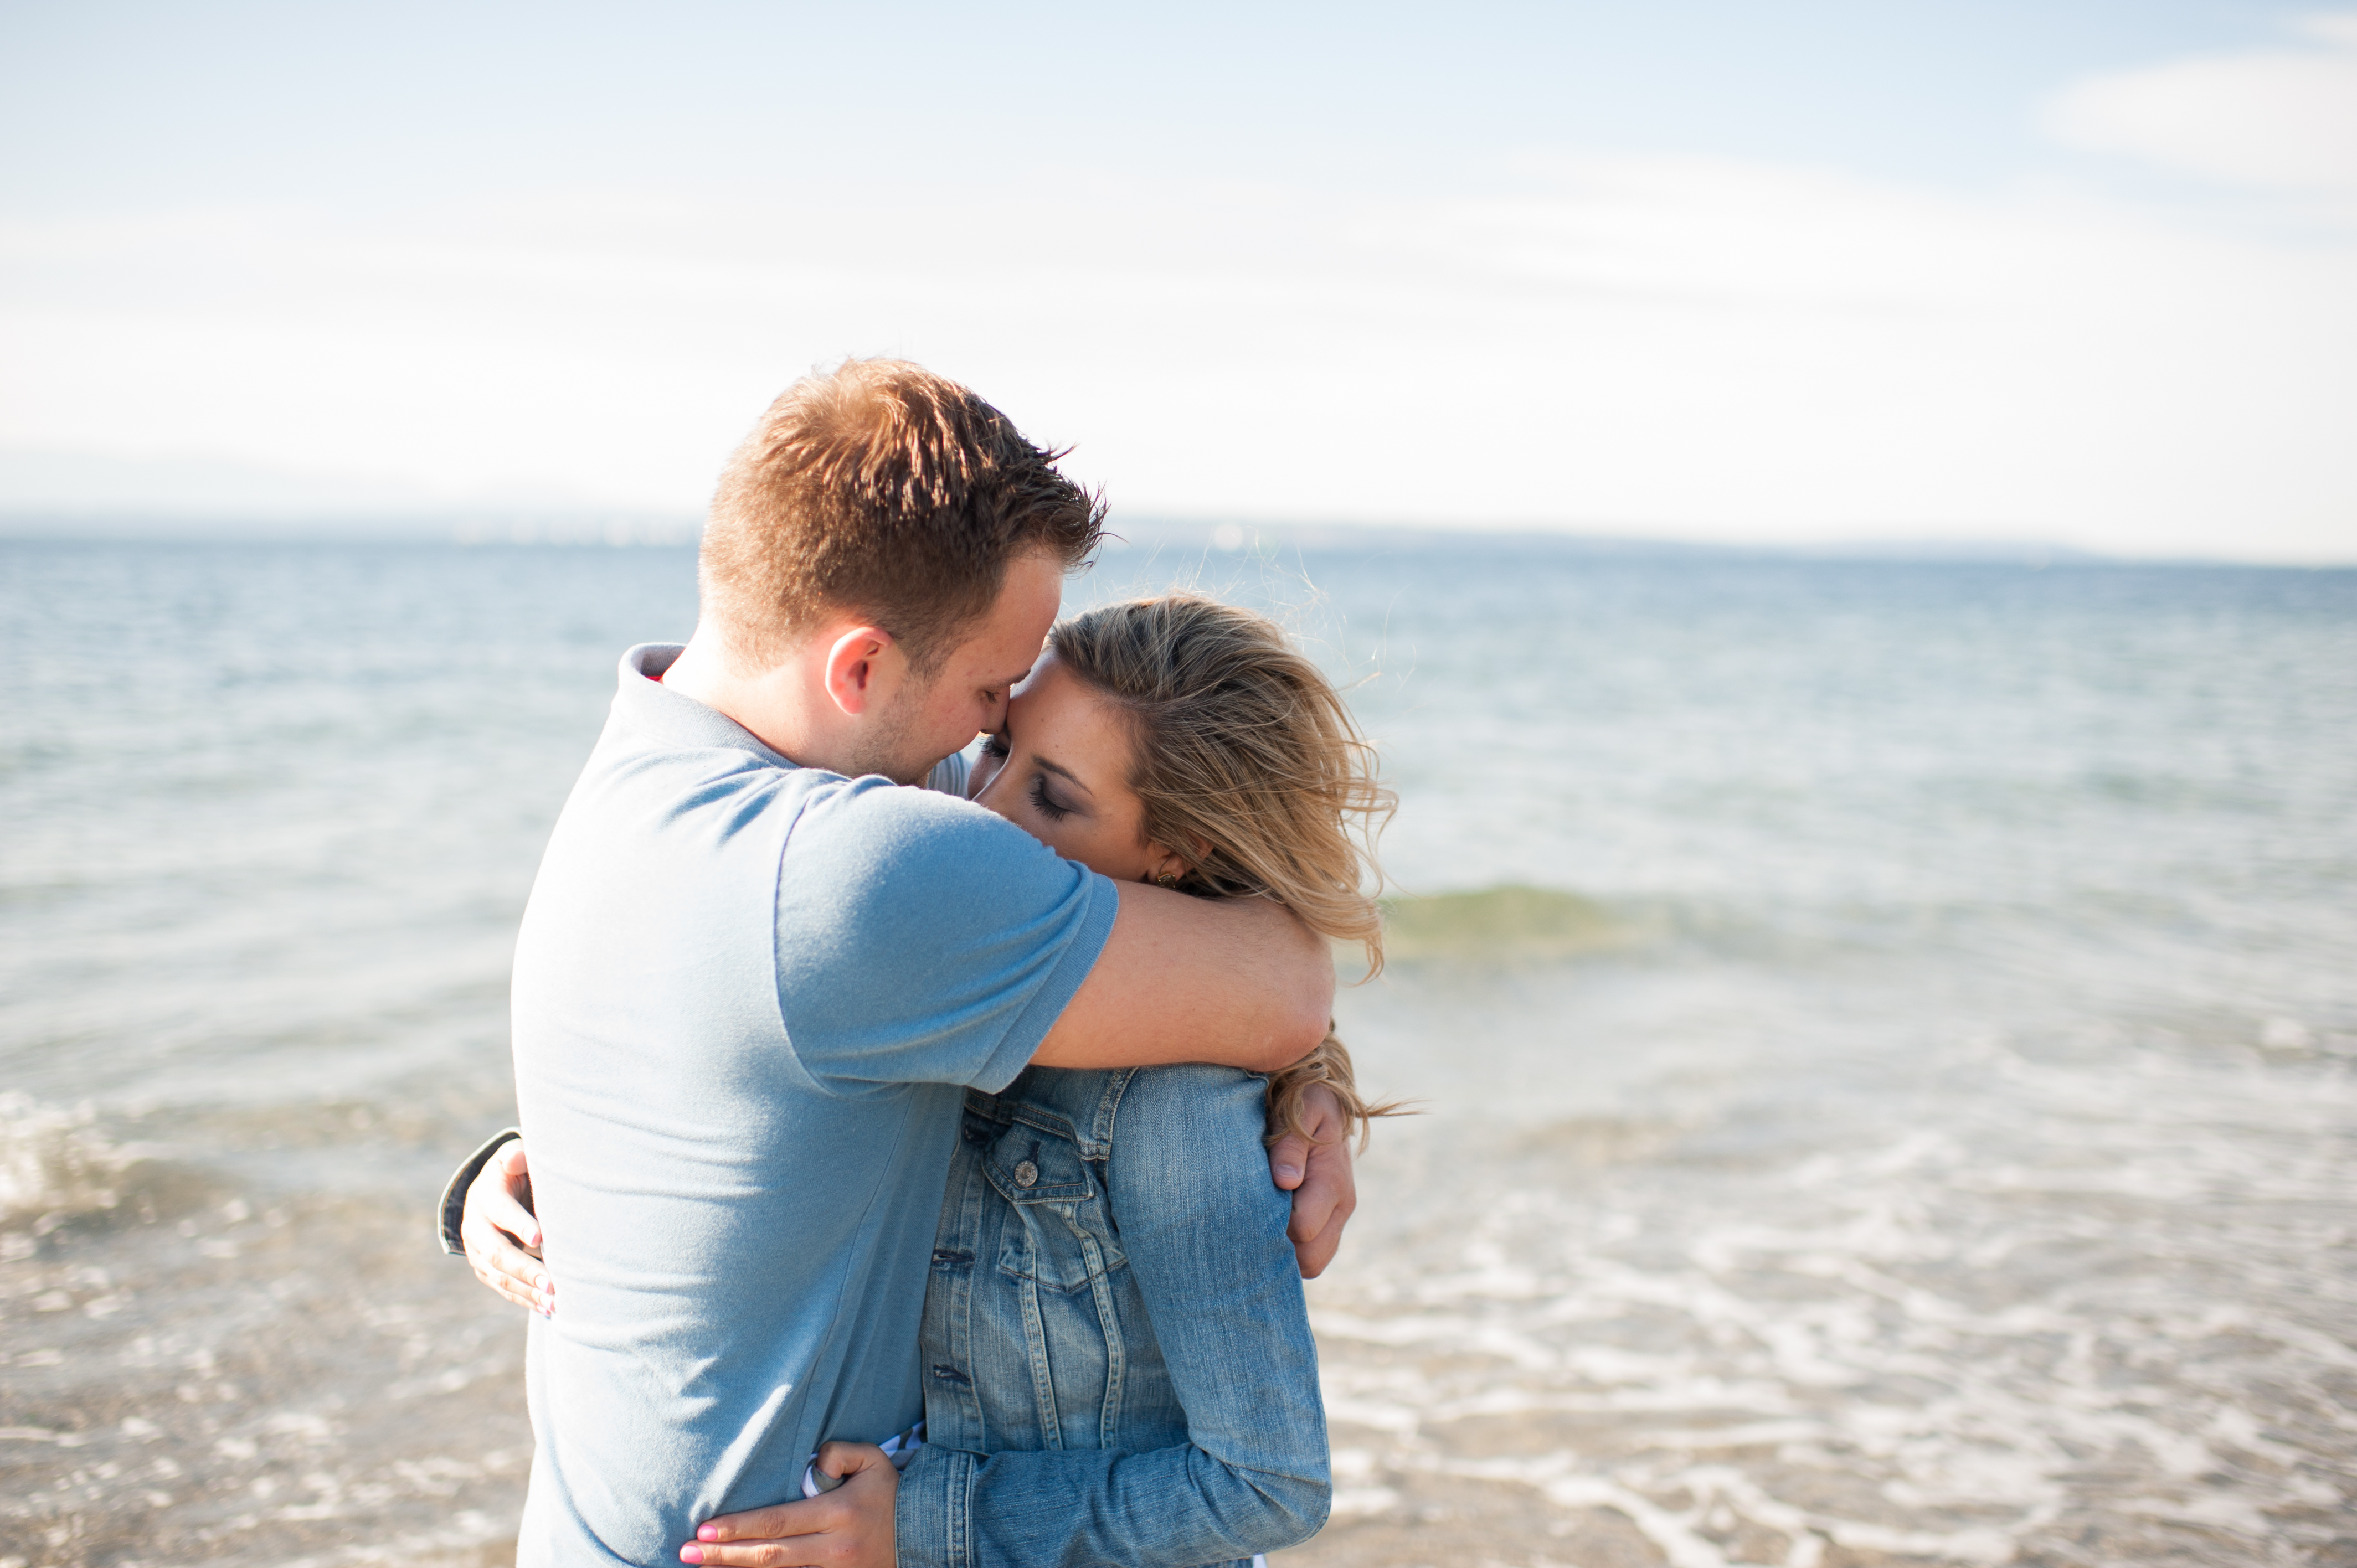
<point x="1168" y="879"/>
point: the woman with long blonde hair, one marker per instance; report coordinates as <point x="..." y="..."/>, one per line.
<point x="1116" y="1355"/>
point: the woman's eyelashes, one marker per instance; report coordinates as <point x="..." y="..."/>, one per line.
<point x="997" y="749"/>
<point x="1055" y="811"/>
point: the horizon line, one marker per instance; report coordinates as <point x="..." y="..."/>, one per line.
<point x="590" y="527"/>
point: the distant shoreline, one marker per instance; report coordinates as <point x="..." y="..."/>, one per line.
<point x="1217" y="537"/>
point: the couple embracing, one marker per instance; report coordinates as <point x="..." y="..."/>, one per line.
<point x="905" y="1171"/>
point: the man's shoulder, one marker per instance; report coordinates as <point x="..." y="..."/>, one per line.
<point x="949" y="775"/>
<point x="629" y="756"/>
<point x="880" y="827"/>
<point x="921" y="939"/>
<point x="870" y="866"/>
<point x="638" y="807"/>
<point x="889" y="885"/>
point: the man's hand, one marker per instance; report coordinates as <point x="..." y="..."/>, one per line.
<point x="850" y="1527"/>
<point x="1318" y="1175"/>
<point x="501" y="1234"/>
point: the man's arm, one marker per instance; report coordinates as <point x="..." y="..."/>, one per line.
<point x="1234" y="982"/>
<point x="489" y="1218"/>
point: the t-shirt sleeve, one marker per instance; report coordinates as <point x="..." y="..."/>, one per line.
<point x="923" y="940"/>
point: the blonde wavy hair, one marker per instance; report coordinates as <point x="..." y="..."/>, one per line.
<point x="1248" y="765"/>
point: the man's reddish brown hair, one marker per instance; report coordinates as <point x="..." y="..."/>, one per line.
<point x="883" y="491"/>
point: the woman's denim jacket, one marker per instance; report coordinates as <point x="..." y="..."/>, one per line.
<point x="1117" y="1360"/>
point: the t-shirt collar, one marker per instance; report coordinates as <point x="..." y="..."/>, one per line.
<point x="663" y="716"/>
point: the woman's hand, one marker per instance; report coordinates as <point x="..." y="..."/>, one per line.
<point x="850" y="1527"/>
<point x="1316" y="1170"/>
<point x="502" y="1235"/>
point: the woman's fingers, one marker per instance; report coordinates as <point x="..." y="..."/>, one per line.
<point x="1318" y="1251"/>
<point x="509" y="1270"/>
<point x="781" y="1537"/>
<point x="796" y="1552"/>
<point x="1323" y="1122"/>
<point x="850" y="1527"/>
<point x="505" y="1181"/>
<point x="848" y="1460"/>
<point x="1328" y="1192"/>
<point x="501" y="1234"/>
<point x="1288" y="1161"/>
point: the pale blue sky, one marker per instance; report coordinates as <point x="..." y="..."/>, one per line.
<point x="2080" y="272"/>
<point x="105" y="104"/>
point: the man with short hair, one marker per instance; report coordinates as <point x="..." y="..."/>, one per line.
<point x="754" y="977"/>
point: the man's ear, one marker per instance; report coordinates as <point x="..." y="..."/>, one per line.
<point x="863" y="668"/>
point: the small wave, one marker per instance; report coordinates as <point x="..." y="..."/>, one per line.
<point x="56" y="1162"/>
<point x="1508" y="924"/>
<point x="1591" y="1141"/>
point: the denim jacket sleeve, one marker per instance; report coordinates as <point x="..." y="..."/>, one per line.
<point x="1204" y="1231"/>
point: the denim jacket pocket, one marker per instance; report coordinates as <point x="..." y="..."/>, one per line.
<point x="1034" y="1164"/>
<point x="1063" y="1241"/>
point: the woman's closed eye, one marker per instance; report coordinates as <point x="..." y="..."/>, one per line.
<point x="1055" y="811"/>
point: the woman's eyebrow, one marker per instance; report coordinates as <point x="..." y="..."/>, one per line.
<point x="1061" y="771"/>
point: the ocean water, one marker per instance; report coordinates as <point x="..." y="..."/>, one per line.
<point x="1888" y="1035"/>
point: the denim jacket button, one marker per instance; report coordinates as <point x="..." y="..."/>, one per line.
<point x="1027" y="1174"/>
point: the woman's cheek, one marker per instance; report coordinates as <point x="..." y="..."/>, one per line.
<point x="1075" y="846"/>
<point x="1047" y="833"/>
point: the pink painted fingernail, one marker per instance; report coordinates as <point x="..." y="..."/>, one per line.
<point x="691" y="1555"/>
<point x="708" y="1533"/>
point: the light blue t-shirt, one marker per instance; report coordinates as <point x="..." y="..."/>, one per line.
<point x="747" y="995"/>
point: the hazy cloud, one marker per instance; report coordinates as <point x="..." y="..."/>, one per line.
<point x="1703" y="347"/>
<point x="2280" y="119"/>
<point x="1708" y="347"/>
